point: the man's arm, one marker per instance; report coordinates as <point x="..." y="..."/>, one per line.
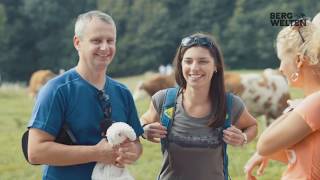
<point x="43" y="150"/>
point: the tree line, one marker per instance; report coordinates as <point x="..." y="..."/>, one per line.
<point x="37" y="34"/>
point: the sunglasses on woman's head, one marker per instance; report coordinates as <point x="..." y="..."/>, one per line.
<point x="106" y="107"/>
<point x="200" y="41"/>
<point x="298" y="24"/>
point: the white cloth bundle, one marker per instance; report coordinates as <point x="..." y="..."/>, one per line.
<point x="116" y="134"/>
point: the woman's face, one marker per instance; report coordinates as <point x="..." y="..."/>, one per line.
<point x="288" y="65"/>
<point x="198" y="67"/>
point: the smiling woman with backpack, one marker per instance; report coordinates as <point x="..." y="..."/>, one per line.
<point x="196" y="120"/>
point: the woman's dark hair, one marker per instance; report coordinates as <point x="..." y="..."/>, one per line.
<point x="217" y="88"/>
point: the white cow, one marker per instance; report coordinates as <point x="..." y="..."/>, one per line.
<point x="264" y="94"/>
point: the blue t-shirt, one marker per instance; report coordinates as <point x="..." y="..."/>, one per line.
<point x="71" y="99"/>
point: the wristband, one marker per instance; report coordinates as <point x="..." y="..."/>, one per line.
<point x="143" y="131"/>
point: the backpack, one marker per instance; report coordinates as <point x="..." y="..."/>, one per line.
<point x="65" y="136"/>
<point x="167" y="117"/>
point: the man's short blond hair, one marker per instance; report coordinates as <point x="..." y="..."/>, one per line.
<point x="85" y="18"/>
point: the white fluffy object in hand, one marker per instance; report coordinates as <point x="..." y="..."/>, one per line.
<point x="116" y="134"/>
<point x="120" y="131"/>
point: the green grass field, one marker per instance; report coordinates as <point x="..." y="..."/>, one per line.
<point x="15" y="111"/>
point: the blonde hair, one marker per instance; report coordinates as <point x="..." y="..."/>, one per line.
<point x="316" y="20"/>
<point x="307" y="44"/>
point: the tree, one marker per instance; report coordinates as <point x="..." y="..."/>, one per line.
<point x="140" y="36"/>
<point x="40" y="36"/>
<point x="251" y="37"/>
<point x="36" y="34"/>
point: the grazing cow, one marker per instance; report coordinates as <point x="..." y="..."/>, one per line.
<point x="263" y="94"/>
<point x="37" y="80"/>
<point x="155" y="83"/>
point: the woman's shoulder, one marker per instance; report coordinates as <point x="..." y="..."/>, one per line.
<point x="309" y="110"/>
<point x="315" y="95"/>
<point x="236" y="99"/>
<point x="311" y="100"/>
<point x="160" y="93"/>
<point x="158" y="99"/>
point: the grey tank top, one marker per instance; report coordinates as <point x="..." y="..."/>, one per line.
<point x="195" y="150"/>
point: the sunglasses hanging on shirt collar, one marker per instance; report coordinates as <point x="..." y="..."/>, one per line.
<point x="107" y="111"/>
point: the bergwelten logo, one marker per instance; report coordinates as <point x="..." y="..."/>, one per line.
<point x="287" y="19"/>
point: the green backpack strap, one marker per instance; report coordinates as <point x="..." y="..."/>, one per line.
<point x="167" y="113"/>
<point x="227" y="123"/>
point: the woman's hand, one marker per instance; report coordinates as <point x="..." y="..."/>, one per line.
<point x="234" y="136"/>
<point x="154" y="132"/>
<point x="255" y="160"/>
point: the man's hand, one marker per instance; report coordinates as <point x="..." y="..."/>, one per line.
<point x="106" y="152"/>
<point x="128" y="152"/>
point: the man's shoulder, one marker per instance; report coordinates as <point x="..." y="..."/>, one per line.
<point x="59" y="82"/>
<point x="65" y="78"/>
<point x="114" y="83"/>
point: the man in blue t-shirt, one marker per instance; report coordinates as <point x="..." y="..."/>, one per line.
<point x="78" y="98"/>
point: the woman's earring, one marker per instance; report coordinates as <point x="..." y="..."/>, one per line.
<point x="294" y="76"/>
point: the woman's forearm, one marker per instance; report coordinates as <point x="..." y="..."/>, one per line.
<point x="251" y="132"/>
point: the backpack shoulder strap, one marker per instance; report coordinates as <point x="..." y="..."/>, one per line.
<point x="167" y="112"/>
<point x="229" y="98"/>
<point x="227" y="123"/>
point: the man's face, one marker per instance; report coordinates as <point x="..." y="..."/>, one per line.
<point x="97" y="46"/>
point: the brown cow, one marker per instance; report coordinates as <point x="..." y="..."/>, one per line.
<point x="37" y="80"/>
<point x="155" y="83"/>
<point x="263" y="94"/>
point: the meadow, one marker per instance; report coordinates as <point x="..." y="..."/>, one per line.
<point x="15" y="111"/>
